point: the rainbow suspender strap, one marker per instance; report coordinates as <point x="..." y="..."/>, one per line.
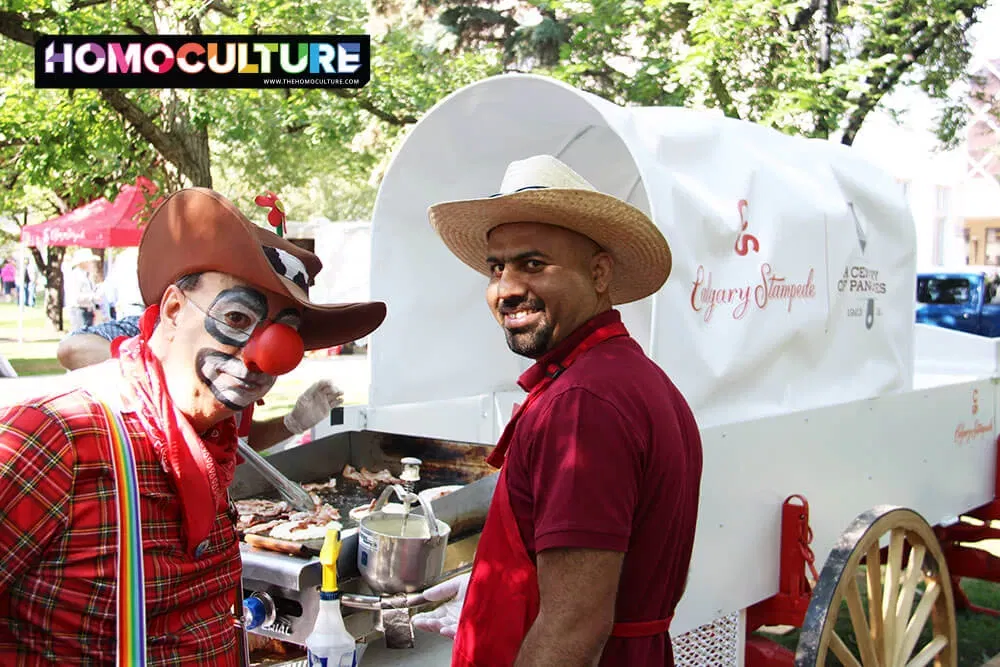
<point x="131" y="591"/>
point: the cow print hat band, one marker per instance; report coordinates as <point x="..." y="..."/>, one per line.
<point x="288" y="265"/>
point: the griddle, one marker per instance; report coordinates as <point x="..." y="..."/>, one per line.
<point x="348" y="494"/>
<point x="293" y="580"/>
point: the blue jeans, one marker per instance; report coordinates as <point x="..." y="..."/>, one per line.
<point x="80" y="317"/>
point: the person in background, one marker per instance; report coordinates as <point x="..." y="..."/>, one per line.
<point x="120" y="291"/>
<point x="92" y="345"/>
<point x="28" y="284"/>
<point x="79" y="290"/>
<point x="229" y="312"/>
<point x="587" y="543"/>
<point x="8" y="279"/>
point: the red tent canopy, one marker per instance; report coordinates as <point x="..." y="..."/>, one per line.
<point x="99" y="224"/>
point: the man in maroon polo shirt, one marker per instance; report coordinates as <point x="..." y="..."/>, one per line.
<point x="585" y="552"/>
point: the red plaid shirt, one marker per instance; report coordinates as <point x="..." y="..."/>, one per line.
<point x="58" y="532"/>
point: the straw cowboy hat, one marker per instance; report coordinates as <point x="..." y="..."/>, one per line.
<point x="543" y="189"/>
<point x="197" y="230"/>
<point x="82" y="256"/>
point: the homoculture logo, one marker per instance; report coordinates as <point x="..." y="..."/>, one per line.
<point x="203" y="61"/>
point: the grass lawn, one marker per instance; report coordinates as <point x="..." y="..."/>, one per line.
<point x="35" y="354"/>
<point x="282" y="397"/>
<point x="978" y="634"/>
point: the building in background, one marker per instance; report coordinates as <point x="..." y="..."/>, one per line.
<point x="979" y="188"/>
<point x="344" y="247"/>
<point x="928" y="177"/>
<point x="954" y="195"/>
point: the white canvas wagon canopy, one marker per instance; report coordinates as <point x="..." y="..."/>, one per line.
<point x="793" y="274"/>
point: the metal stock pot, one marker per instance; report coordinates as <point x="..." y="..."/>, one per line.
<point x="393" y="562"/>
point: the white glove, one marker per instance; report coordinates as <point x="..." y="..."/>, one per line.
<point x="313" y="406"/>
<point x="444" y="619"/>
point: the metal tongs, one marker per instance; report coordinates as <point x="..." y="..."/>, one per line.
<point x="294" y="494"/>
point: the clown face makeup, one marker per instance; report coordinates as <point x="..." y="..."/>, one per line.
<point x="207" y="329"/>
<point x="231" y="382"/>
<point x="234" y="314"/>
<point x="231" y="319"/>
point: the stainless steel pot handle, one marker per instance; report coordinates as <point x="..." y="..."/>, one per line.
<point x="407" y="497"/>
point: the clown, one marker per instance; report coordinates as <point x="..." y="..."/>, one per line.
<point x="230" y="313"/>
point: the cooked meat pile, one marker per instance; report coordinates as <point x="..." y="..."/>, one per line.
<point x="321" y="486"/>
<point x="369" y="479"/>
<point x="276" y="519"/>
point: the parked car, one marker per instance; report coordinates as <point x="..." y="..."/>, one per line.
<point x="966" y="300"/>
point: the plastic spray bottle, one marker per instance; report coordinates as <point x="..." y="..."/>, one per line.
<point x="330" y="644"/>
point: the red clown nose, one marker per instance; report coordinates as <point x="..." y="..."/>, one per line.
<point x="275" y="349"/>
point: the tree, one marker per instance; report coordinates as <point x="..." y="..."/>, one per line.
<point x="303" y="141"/>
<point x="58" y="150"/>
<point x="321" y="149"/>
<point x="161" y="118"/>
<point x="811" y="67"/>
<point x="325" y="151"/>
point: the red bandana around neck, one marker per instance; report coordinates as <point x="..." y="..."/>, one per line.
<point x="201" y="467"/>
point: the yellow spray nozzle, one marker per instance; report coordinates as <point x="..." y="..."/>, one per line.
<point x="328" y="559"/>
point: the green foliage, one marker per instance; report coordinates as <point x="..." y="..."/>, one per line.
<point x="323" y="151"/>
<point x="65" y="142"/>
<point x="811" y="67"/>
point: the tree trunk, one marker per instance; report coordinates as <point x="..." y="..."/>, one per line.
<point x="54" y="286"/>
<point x="36" y="255"/>
<point x="198" y="168"/>
<point x="193" y="160"/>
<point x="825" y="121"/>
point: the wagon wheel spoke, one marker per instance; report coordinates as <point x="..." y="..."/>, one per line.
<point x="919" y="619"/>
<point x="862" y="634"/>
<point x="928" y="653"/>
<point x="912" y="577"/>
<point x="839" y="649"/>
<point x="890" y="605"/>
<point x="893" y="565"/>
<point x="873" y="575"/>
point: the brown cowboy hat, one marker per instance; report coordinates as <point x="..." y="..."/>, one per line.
<point x="544" y="189"/>
<point x="197" y="229"/>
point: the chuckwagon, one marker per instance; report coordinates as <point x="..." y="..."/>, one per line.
<point x="850" y="455"/>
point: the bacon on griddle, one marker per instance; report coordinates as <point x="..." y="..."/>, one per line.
<point x="263" y="528"/>
<point x="369" y="479"/>
<point x="302" y="526"/>
<point x="330" y="485"/>
<point x="276" y="519"/>
<point x="253" y="512"/>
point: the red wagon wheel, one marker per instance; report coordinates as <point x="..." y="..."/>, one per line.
<point x="902" y="612"/>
